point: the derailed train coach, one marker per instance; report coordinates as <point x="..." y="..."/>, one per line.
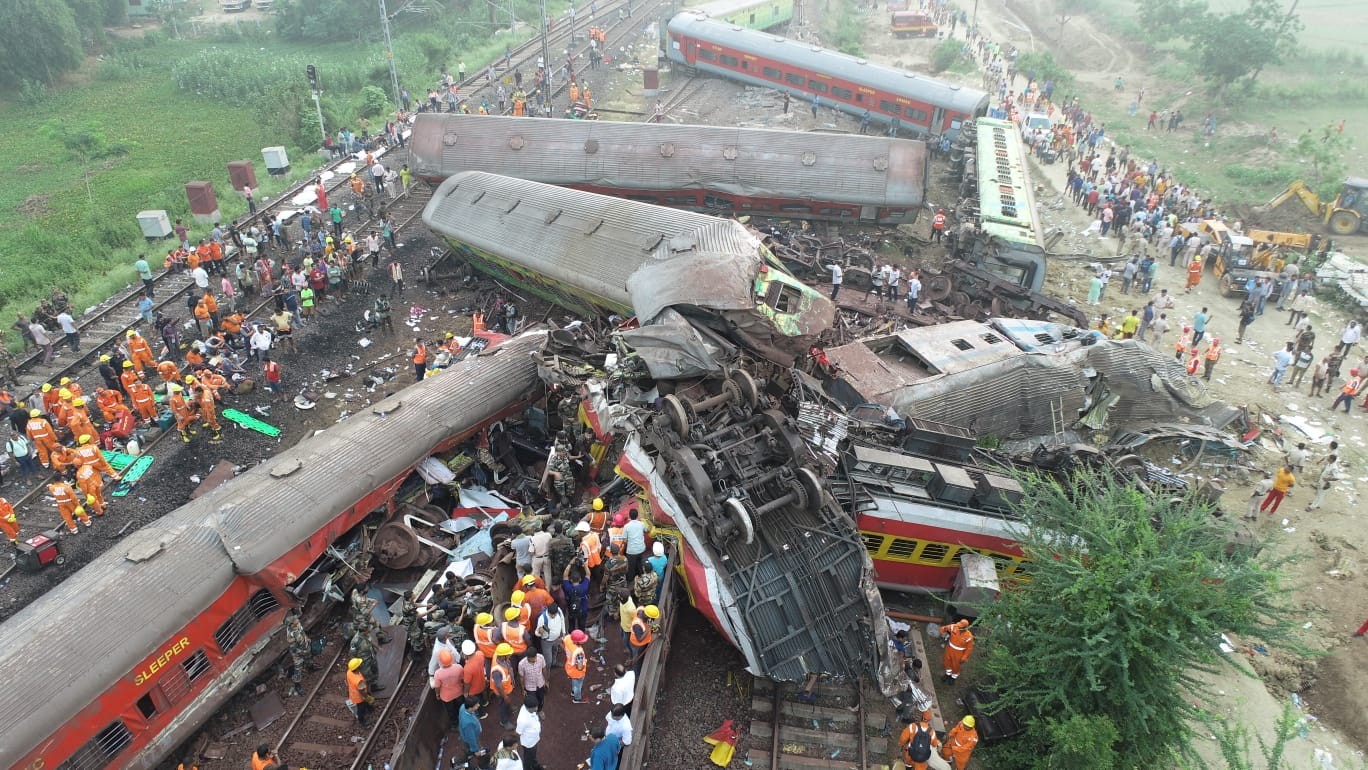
<point x="593" y="253"/>
<point x="717" y="169"/>
<point x="123" y="661"/>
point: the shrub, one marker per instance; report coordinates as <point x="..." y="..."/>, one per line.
<point x="373" y="101"/>
<point x="946" y="54"/>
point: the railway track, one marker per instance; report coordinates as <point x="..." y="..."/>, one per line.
<point x="832" y="730"/>
<point x="406" y="208"/>
<point x="686" y="91"/>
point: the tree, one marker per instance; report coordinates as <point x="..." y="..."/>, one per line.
<point x="1233" y="48"/>
<point x="1129" y="595"/>
<point x="41" y="42"/>
<point x="84" y="143"/>
<point x="327" y="19"/>
<point x="1325" y="154"/>
<point x="1165" y="20"/>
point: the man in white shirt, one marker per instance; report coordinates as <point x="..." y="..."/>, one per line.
<point x="914" y="287"/>
<point x="550" y="630"/>
<point x="1348" y="338"/>
<point x="620" y="724"/>
<point x="378" y="176"/>
<point x="623" y="689"/>
<point x="68" y="324"/>
<point x="443" y="642"/>
<point x="529" y="731"/>
<point x="837" y="276"/>
<point x="201" y="277"/>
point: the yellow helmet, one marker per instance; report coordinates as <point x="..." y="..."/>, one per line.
<point x="652" y="611"/>
<point x="84" y="439"/>
<point x="78" y="401"/>
<point x="598" y="503"/>
<point x="80" y="511"/>
<point x="90" y="499"/>
<point x="449" y="335"/>
<point x="503" y="650"/>
<point x="47" y="387"/>
<point x="35" y="413"/>
<point x="64" y="394"/>
<point x="512" y="613"/>
<point x="353" y="664"/>
<point x="189" y="379"/>
<point x="104" y="359"/>
<point x="65" y="381"/>
<point x="131" y="333"/>
<point x="517" y="597"/>
<point x="128" y="365"/>
<point x="484" y="619"/>
<point x="529" y="580"/>
<point x="969" y="721"/>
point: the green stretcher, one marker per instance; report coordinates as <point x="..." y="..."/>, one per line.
<point x="118" y="460"/>
<point x="130" y="477"/>
<point x="251" y="423"/>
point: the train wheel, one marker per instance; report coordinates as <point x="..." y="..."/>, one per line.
<point x="677" y="414"/>
<point x="738" y="515"/>
<point x="1344" y="222"/>
<point x="746" y="389"/>
<point x="812" y="488"/>
<point x="397" y="546"/>
<point x="938" y="287"/>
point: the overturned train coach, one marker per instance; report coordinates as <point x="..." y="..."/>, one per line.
<point x="592" y="253"/>
<point x="719" y="169"/>
<point x="123" y="661"/>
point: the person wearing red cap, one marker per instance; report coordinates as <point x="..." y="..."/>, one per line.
<point x="449" y="684"/>
<point x="1351" y="388"/>
<point x="576" y="663"/>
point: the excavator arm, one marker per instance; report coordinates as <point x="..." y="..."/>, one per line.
<point x="1299" y="241"/>
<point x="1298" y="189"/>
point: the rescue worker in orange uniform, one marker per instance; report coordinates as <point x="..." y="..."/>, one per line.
<point x="139" y="353"/>
<point x="938" y="226"/>
<point x="419" y="358"/>
<point x="89" y="481"/>
<point x="129" y="376"/>
<point x="63" y="458"/>
<point x="41" y="433"/>
<point x="9" y="523"/>
<point x="144" y="401"/>
<point x="203" y="321"/>
<point x="75" y="387"/>
<point x="232" y="326"/>
<point x="215" y="382"/>
<point x="501" y="683"/>
<point x="486" y="634"/>
<point x="642" y="634"/>
<point x="1194" y="274"/>
<point x="959" y="643"/>
<point x="168" y="371"/>
<point x="183" y="411"/>
<point x="88" y="453"/>
<point x="918" y="740"/>
<point x="359" y="699"/>
<point x="514" y="633"/>
<point x="959" y="744"/>
<point x="208" y="412"/>
<point x="49" y="397"/>
<point x="576" y="663"/>
<point x="263" y="757"/>
<point x="120" y="427"/>
<point x="598" y="518"/>
<point x="107" y="399"/>
<point x="67" y="505"/>
<point x="62" y="410"/>
<point x="78" y="420"/>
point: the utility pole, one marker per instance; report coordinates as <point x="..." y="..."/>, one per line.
<point x="389" y="51"/>
<point x="547" y="90"/>
<point x="973" y="18"/>
<point x="312" y="73"/>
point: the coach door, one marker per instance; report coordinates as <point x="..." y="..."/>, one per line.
<point x="937" y="121"/>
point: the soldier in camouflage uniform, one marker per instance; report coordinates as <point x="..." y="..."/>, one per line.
<point x="7" y="373"/>
<point x="644" y="587"/>
<point x="362" y="618"/>
<point x="362" y="647"/>
<point x="561" y="550"/>
<point x="300" y="651"/>
<point x="413" y="623"/>
<point x="561" y="470"/>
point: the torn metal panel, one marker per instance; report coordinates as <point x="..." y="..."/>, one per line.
<point x="672" y="348"/>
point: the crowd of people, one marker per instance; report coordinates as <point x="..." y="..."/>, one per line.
<point x="492" y="660"/>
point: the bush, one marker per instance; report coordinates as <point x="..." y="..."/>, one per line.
<point x="946" y="54"/>
<point x="373" y="101"/>
<point x="1041" y="66"/>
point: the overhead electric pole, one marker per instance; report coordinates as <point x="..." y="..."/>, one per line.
<point x="389" y="51"/>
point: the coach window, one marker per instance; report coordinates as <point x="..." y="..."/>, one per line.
<point x="817" y="86"/>
<point x="101" y="750"/>
<point x="889" y="107"/>
<point x="794" y="80"/>
<point x="147" y="707"/>
<point x="783" y="298"/>
<point x="773" y="74"/>
<point x="706" y="55"/>
<point x="912" y="113"/>
<point x="841" y="93"/>
<point x="261" y="604"/>
<point x="729" y="61"/>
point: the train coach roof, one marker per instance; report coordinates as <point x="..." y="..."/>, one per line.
<point x="97" y="626"/>
<point x="842" y="168"/>
<point x="62" y="651"/>
<point x="595" y="242"/>
<point x="834" y="64"/>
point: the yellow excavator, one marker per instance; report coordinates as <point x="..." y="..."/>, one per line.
<point x="1345" y="215"/>
<point x="1238" y="257"/>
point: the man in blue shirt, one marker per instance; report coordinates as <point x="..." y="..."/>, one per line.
<point x="607" y="749"/>
<point x="1199" y="325"/>
<point x="469" y="722"/>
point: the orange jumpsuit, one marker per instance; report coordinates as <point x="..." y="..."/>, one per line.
<point x="78" y="422"/>
<point x="43" y="437"/>
<point x="144" y="401"/>
<point x="957" y="649"/>
<point x="107" y="400"/>
<point x="140" y="353"/>
<point x="9" y="523"/>
<point x="206" y="409"/>
<point x="214" y="381"/>
<point x="169" y="371"/>
<point x="90" y="483"/>
<point x="50" y="398"/>
<point x="1194" y="273"/>
<point x="90" y="454"/>
<point x="905" y="740"/>
<point x="959" y="745"/>
<point x="62" y="458"/>
<point x="76" y="390"/>
<point x="185" y="415"/>
<point x="127" y="379"/>
<point x="67" y="505"/>
<point x="210" y="303"/>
